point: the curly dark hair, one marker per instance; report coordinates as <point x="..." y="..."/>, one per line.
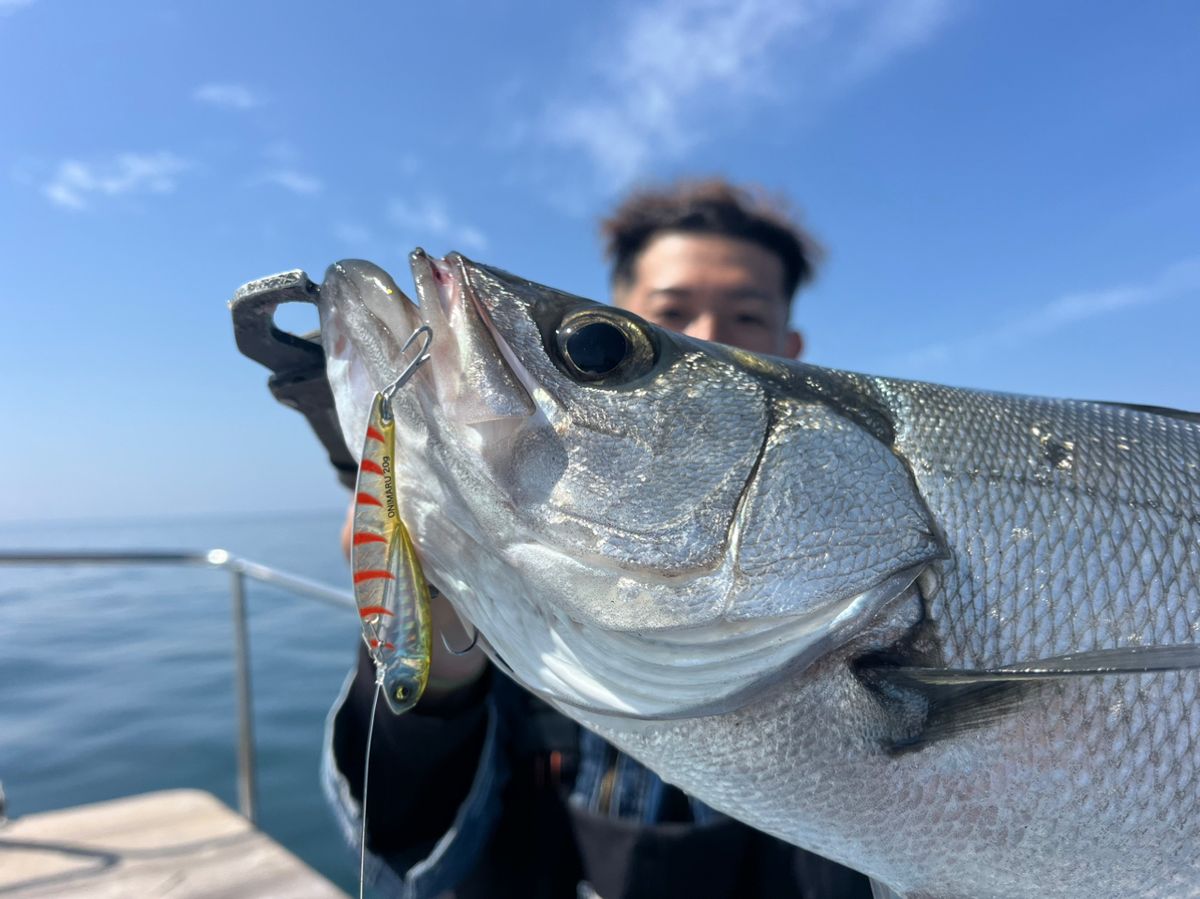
<point x="708" y="206"/>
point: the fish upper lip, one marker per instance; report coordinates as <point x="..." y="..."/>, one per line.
<point x="421" y="264"/>
<point x="457" y="263"/>
<point x="427" y="277"/>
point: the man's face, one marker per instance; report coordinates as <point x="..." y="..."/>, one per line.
<point x="714" y="288"/>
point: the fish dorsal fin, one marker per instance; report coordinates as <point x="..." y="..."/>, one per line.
<point x="1181" y="414"/>
<point x="961" y="699"/>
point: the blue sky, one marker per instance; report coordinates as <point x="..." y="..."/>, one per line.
<point x="1009" y="193"/>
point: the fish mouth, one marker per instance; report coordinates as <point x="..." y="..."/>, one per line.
<point x="367" y="321"/>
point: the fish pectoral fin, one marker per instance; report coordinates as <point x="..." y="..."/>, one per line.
<point x="954" y="709"/>
<point x="1093" y="663"/>
<point x="880" y="890"/>
<point x="961" y="699"/>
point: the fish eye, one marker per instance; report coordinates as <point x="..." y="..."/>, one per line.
<point x="604" y="347"/>
<point x="596" y="348"/>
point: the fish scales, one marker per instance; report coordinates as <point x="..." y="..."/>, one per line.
<point x="1053" y="557"/>
<point x="1046" y="559"/>
<point x="846" y="529"/>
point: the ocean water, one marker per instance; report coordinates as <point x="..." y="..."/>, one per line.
<point x="116" y="681"/>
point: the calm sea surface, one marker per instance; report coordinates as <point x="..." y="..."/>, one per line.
<point x="115" y="681"/>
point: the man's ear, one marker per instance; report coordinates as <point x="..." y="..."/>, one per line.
<point x="794" y="344"/>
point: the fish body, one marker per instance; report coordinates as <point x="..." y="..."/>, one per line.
<point x="717" y="559"/>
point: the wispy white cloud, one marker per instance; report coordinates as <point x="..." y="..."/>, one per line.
<point x="75" y="182"/>
<point x="427" y="218"/>
<point x="285" y="168"/>
<point x="674" y="70"/>
<point x="889" y="30"/>
<point x="8" y="7"/>
<point x="228" y="96"/>
<point x="1177" y="280"/>
<point x="295" y="181"/>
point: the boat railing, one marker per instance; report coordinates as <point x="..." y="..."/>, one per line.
<point x="239" y="570"/>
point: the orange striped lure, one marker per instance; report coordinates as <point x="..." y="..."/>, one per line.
<point x="389" y="586"/>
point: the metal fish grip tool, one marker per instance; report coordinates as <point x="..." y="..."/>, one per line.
<point x="297" y="362"/>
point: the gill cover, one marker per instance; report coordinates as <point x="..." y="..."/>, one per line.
<point x="703" y="465"/>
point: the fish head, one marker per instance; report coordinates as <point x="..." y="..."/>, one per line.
<point x="638" y="523"/>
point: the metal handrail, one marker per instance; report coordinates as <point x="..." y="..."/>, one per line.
<point x="239" y="570"/>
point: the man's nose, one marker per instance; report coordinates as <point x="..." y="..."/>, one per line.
<point x="705" y="327"/>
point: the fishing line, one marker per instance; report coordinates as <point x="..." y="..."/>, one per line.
<point x="362" y="843"/>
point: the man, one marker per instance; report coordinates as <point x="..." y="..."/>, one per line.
<point x="708" y="260"/>
<point x="487" y="791"/>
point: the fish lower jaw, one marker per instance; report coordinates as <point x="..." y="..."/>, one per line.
<point x="701" y="670"/>
<point x="695" y="672"/>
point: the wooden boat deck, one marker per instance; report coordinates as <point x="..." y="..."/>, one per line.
<point x="176" y="843"/>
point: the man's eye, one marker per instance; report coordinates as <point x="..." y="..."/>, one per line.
<point x="669" y="315"/>
<point x="754" y="321"/>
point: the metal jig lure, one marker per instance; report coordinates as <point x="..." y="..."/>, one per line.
<point x="389" y="586"/>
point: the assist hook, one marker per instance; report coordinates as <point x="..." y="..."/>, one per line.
<point x="434" y="591"/>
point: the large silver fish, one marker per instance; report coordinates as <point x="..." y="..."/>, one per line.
<point x="783" y="587"/>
